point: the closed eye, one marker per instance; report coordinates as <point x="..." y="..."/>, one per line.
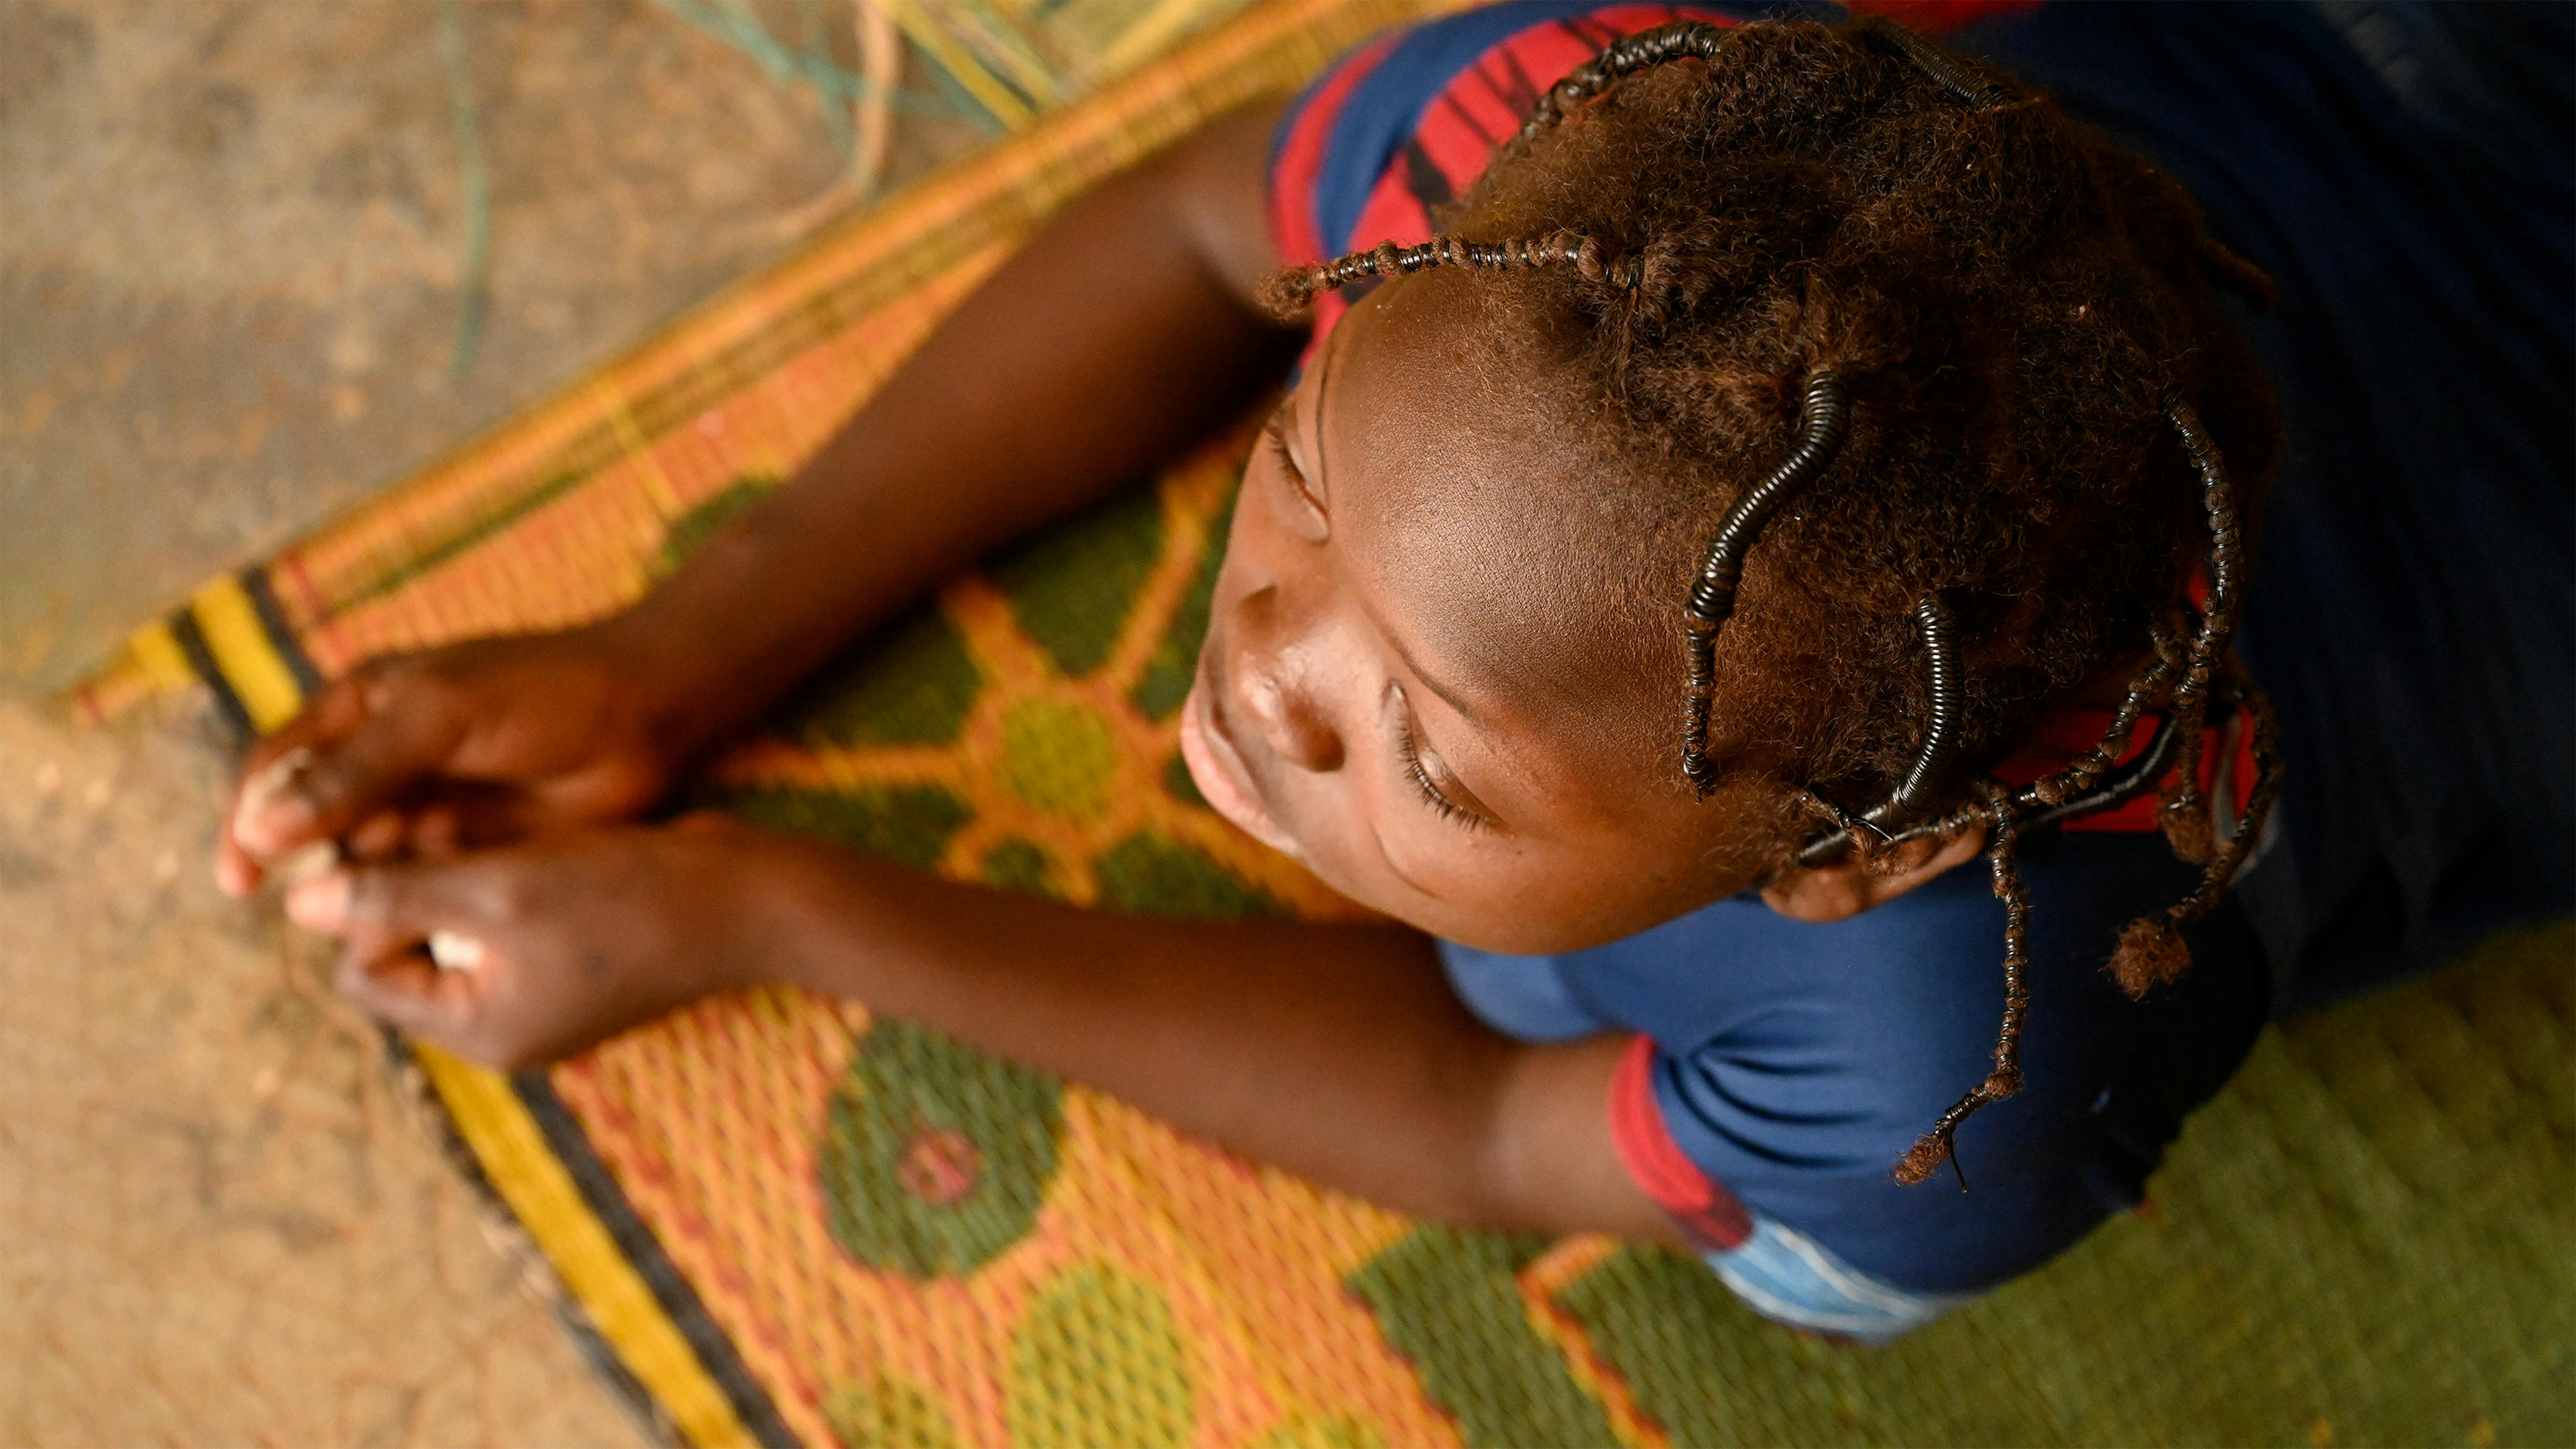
<point x="1409" y="750"/>
<point x="1274" y="441"/>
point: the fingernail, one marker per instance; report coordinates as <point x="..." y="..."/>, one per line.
<point x="320" y="904"/>
<point x="270" y="810"/>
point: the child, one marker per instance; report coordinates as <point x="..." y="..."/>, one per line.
<point x="1802" y="464"/>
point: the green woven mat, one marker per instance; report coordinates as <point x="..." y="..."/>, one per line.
<point x="2368" y="1238"/>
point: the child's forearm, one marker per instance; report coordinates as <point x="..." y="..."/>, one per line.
<point x="1336" y="1052"/>
<point x="1116" y="337"/>
<point x="1339" y="1053"/>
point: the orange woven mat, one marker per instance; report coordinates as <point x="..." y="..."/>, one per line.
<point x="783" y="1221"/>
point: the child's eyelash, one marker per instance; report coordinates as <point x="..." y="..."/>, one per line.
<point x="1274" y="440"/>
<point x="1449" y="810"/>
<point x="1274" y="437"/>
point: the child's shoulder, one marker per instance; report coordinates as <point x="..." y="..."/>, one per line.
<point x="1790" y="1064"/>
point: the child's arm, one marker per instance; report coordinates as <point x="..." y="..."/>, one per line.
<point x="1112" y="341"/>
<point x="1339" y="1053"/>
<point x="1115" y="338"/>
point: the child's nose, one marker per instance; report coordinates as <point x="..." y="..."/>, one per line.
<point x="1278" y="672"/>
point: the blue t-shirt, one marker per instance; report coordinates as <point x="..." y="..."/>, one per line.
<point x="2411" y="616"/>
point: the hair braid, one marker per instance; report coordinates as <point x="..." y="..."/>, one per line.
<point x="1712" y="595"/>
<point x="2152" y="950"/>
<point x="1293" y="291"/>
<point x="2145" y="688"/>
<point x="2185" y="815"/>
<point x="1939" y="1145"/>
<point x="1951" y="71"/>
<point x="1680" y="40"/>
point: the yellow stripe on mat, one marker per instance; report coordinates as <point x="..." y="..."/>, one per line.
<point x="522" y="1167"/>
<point x="158" y="657"/>
<point x="516" y="1158"/>
<point x="259" y="678"/>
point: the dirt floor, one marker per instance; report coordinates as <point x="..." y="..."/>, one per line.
<point x="234" y="256"/>
<point x="222" y="1219"/>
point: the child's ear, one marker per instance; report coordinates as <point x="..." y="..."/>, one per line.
<point x="1824" y="893"/>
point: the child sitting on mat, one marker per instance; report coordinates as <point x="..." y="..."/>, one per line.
<point x="1803" y="462"/>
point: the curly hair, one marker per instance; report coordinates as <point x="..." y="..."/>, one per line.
<point x="1941" y="372"/>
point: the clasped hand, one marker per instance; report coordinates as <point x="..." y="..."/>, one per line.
<point x="577" y="936"/>
<point x="476" y="790"/>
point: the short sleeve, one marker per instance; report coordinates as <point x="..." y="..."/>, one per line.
<point x="1406" y="122"/>
<point x="1408" y="119"/>
<point x="1523" y="997"/>
<point x="1780" y="1070"/>
<point x="1300" y="147"/>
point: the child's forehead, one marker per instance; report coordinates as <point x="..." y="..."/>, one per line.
<point x="1473" y="516"/>
<point x="1423" y="369"/>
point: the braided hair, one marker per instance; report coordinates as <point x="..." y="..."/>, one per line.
<point x="1925" y="384"/>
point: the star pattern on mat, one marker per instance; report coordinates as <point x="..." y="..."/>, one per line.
<point x="1023" y="730"/>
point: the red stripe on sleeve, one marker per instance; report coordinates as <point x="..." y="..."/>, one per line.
<point x="1479" y="110"/>
<point x="1705" y="1210"/>
<point x="1458" y="132"/>
<point x="1293" y="227"/>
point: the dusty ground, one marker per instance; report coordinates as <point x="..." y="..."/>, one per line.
<point x="232" y="261"/>
<point x="233" y="256"/>
<point x="225" y="1223"/>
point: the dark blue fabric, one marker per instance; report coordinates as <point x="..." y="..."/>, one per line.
<point x="1525" y="997"/>
<point x="1798" y="1062"/>
<point x="2410" y="180"/>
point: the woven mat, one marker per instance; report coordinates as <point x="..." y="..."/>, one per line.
<point x="780" y="1220"/>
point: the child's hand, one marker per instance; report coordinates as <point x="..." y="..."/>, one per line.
<point x="475" y="744"/>
<point x="553" y="945"/>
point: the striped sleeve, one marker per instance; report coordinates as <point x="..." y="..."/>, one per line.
<point x="1405" y="123"/>
<point x="1779" y="1272"/>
